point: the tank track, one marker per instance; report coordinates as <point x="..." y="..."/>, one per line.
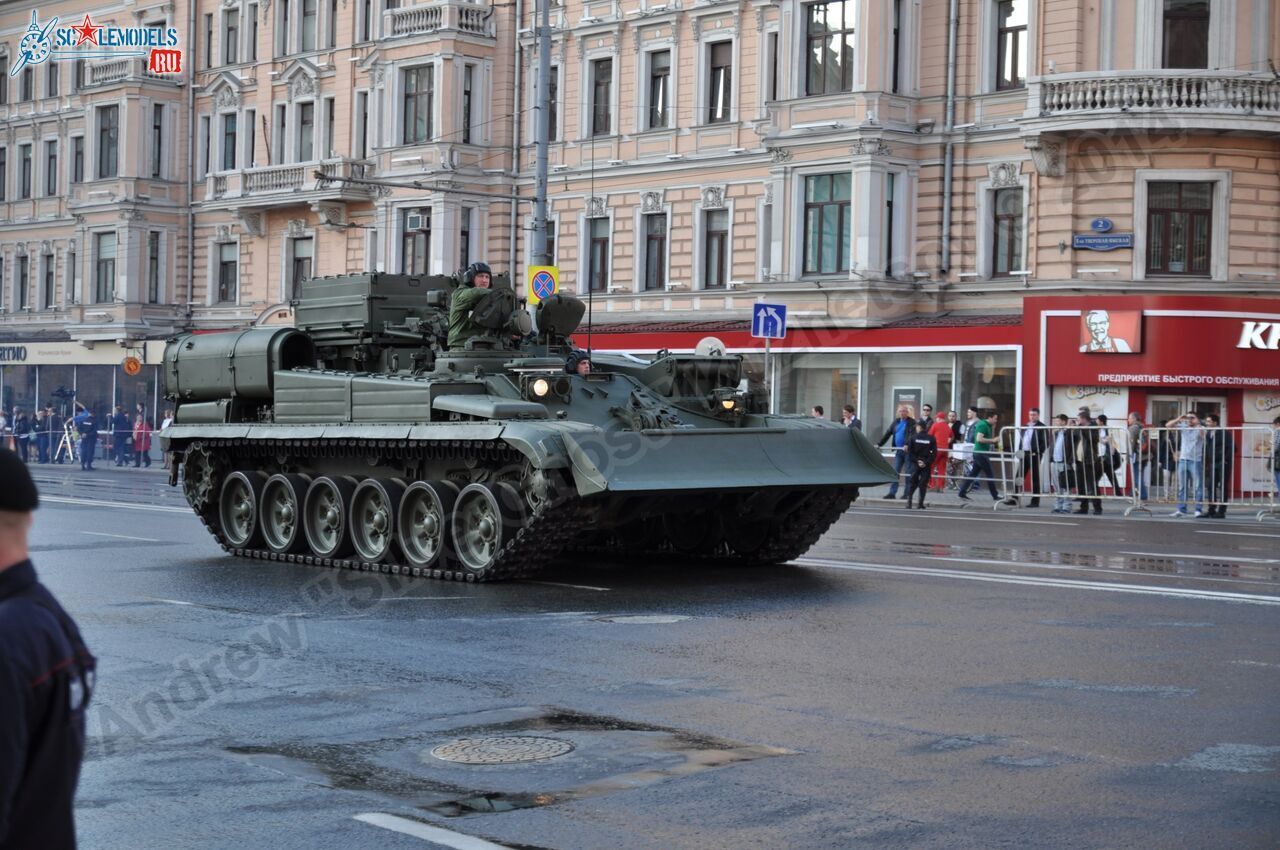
<point x="546" y="533"/>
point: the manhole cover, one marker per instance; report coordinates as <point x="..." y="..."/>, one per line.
<point x="506" y="750"/>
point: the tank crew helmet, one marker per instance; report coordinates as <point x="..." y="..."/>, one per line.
<point x="575" y="357"/>
<point x="470" y="272"/>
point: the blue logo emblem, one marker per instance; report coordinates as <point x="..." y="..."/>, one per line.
<point x="50" y="42"/>
<point x="35" y="45"/>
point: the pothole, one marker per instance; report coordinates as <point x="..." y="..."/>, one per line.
<point x="502" y="750"/>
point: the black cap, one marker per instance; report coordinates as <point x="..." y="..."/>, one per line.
<point x="17" y="490"/>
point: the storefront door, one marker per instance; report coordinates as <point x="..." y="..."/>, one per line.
<point x="1162" y="408"/>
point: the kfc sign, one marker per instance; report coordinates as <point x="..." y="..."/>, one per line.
<point x="1264" y="335"/>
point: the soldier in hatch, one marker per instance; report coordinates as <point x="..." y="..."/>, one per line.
<point x="476" y="279"/>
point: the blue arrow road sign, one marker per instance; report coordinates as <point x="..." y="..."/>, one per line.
<point x="769" y="321"/>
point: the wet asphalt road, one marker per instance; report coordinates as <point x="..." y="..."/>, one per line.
<point x="951" y="679"/>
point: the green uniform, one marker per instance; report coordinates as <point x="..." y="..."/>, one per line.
<point x="984" y="428"/>
<point x="461" y="327"/>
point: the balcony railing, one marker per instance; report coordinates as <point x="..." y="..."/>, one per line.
<point x="458" y="15"/>
<point x="1176" y="91"/>
<point x="273" y="180"/>
<point x="115" y="70"/>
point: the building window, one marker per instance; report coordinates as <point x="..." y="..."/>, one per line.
<point x="228" y="272"/>
<point x="301" y="252"/>
<point x="104" y="289"/>
<point x="1011" y="44"/>
<point x="553" y="94"/>
<point x="153" y="267"/>
<point x="329" y="127"/>
<point x="77" y="159"/>
<point x="251" y="18"/>
<point x="655" y="251"/>
<point x="468" y="94"/>
<point x="24" y="281"/>
<point x="659" y="89"/>
<point x="772" y="59"/>
<point x="282" y="31"/>
<point x="464" y="235"/>
<point x="826" y="223"/>
<point x="601" y="97"/>
<point x="598" y="254"/>
<point x="70" y="286"/>
<point x="415" y="241"/>
<point x="208" y="41"/>
<point x="306" y="132"/>
<point x="419" y="103"/>
<point x="551" y="241"/>
<point x="829" y="33"/>
<point x="77" y="75"/>
<point x="719" y="81"/>
<point x="310" y="14"/>
<point x="108" y="140"/>
<point x="24" y="171"/>
<point x="1186" y="33"/>
<point x="206" y="143"/>
<point x="896" y="58"/>
<point x="229" y="142"/>
<point x="282" y="135"/>
<point x="366" y="20"/>
<point x="890" y="194"/>
<point x="231" y="37"/>
<point x="4" y="87"/>
<point x="28" y="85"/>
<point x="362" y="124"/>
<point x="1006" y="229"/>
<point x="4" y="172"/>
<point x="157" y="139"/>
<point x="1179" y="232"/>
<point x="48" y="291"/>
<point x="51" y="80"/>
<point x="250" y="158"/>
<point x="715" y="248"/>
<point x="50" y="168"/>
<point x="332" y="40"/>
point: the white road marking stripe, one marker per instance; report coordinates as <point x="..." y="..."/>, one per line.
<point x="1219" y="596"/>
<point x="122" y="536"/>
<point x="96" y="503"/>
<point x="1242" y="534"/>
<point x="1216" y="558"/>
<point x="170" y="601"/>
<point x="575" y="586"/>
<point x="929" y="513"/>
<point x="419" y="598"/>
<point x="1112" y="572"/>
<point x="426" y="832"/>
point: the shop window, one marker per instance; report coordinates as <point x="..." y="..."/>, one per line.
<point x="911" y="378"/>
<point x="1006" y="230"/>
<point x="829" y="379"/>
<point x="988" y="381"/>
<point x="598" y="254"/>
<point x="715" y="248"/>
<point x="826" y="223"/>
<point x="228" y="272"/>
<point x="1179" y="228"/>
<point x="829" y="34"/>
<point x="1011" y="44"/>
<point x="418" y="107"/>
<point x="655" y="251"/>
<point x="719" y="82"/>
<point x="1186" y="34"/>
<point x="104" y="278"/>
<point x="659" y="104"/>
<point x="601" y="97"/>
<point x="415" y="241"/>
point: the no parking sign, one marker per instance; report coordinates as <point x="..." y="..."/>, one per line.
<point x="544" y="281"/>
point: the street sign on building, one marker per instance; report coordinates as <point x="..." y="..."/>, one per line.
<point x="769" y="321"/>
<point x="544" y="281"/>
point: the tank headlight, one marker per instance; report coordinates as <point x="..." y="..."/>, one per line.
<point x="541" y="387"/>
<point x="728" y="403"/>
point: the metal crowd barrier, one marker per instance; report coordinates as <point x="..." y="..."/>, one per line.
<point x="1095" y="466"/>
<point x="1210" y="471"/>
<point x="954" y="465"/>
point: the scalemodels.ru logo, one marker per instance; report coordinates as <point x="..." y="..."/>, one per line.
<point x="50" y="42"/>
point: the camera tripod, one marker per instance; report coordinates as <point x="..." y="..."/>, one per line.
<point x="67" y="444"/>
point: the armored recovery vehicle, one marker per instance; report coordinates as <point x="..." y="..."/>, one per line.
<point x="358" y="439"/>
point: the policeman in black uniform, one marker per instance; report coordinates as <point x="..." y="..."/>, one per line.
<point x="922" y="448"/>
<point x="46" y="675"/>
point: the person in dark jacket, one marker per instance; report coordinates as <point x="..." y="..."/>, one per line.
<point x="121" y="430"/>
<point x="46" y="677"/>
<point x="87" y="427"/>
<point x="899" y="431"/>
<point x="22" y="434"/>
<point x="1082" y="462"/>
<point x="922" y="450"/>
<point x="1219" y="458"/>
<point x="1033" y="442"/>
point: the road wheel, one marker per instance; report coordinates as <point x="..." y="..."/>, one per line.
<point x="693" y="534"/>
<point x="280" y="512"/>
<point x="746" y="536"/>
<point x="373" y="517"/>
<point x="484" y="520"/>
<point x="423" y="522"/>
<point x="238" y="508"/>
<point x="324" y="516"/>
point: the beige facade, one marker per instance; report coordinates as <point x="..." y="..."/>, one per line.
<point x="705" y="154"/>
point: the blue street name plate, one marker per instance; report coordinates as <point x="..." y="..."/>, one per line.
<point x="1094" y="242"/>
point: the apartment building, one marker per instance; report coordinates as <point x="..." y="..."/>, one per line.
<point x="912" y="186"/>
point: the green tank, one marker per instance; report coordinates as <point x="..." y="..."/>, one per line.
<point x="358" y="439"/>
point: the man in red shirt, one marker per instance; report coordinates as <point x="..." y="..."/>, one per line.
<point x="940" y="430"/>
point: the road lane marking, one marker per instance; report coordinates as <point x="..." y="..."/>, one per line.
<point x="1242" y="534"/>
<point x="172" y="601"/>
<point x="418" y="829"/>
<point x="97" y="503"/>
<point x="1215" y="558"/>
<point x="122" y="536"/>
<point x="575" y="586"/>
<point x="1039" y="581"/>
<point x="967" y="515"/>
<point x="1111" y="571"/>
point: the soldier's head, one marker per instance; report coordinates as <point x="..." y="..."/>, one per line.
<point x="478" y="275"/>
<point x="18" y="499"/>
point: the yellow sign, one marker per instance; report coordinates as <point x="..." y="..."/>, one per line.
<point x="544" y="281"/>
<point x="132" y="366"/>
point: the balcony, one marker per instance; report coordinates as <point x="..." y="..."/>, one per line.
<point x="279" y="185"/>
<point x="122" y="70"/>
<point x="1166" y="100"/>
<point x="437" y="17"/>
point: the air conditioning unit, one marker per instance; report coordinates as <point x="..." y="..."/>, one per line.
<point x="415" y="220"/>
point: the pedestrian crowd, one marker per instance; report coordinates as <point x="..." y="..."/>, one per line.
<point x="47" y="436"/>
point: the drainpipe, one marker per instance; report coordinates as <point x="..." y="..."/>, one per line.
<point x="949" y="156"/>
<point x="515" y="146"/>
<point x="191" y="161"/>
